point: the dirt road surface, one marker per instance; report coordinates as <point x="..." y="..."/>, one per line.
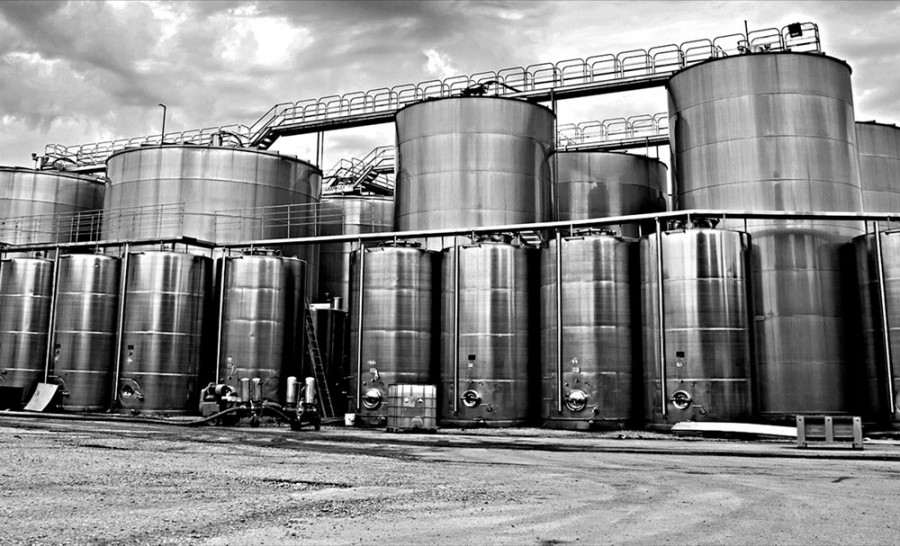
<point x="76" y="482"/>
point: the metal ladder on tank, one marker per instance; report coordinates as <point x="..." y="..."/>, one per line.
<point x="315" y="357"/>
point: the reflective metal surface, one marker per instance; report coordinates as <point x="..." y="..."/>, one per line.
<point x="84" y="352"/>
<point x="476" y="161"/>
<point x="707" y="326"/>
<point x="601" y="184"/>
<point x="875" y="393"/>
<point x="397" y="325"/>
<point x="879" y="166"/>
<point x="344" y="215"/>
<point x="332" y="331"/>
<point x="165" y="306"/>
<point x="263" y="300"/>
<point x="26" y="286"/>
<point x="495" y="343"/>
<point x="777" y="132"/>
<point x="598" y="364"/>
<point x="39" y="195"/>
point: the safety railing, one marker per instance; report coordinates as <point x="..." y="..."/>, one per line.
<point x="615" y="130"/>
<point x="262" y="222"/>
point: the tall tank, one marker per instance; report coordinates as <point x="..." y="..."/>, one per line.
<point x="472" y="161"/>
<point x="597" y="359"/>
<point x="776" y="132"/>
<point x="30" y="201"/>
<point x="879" y="166"/>
<point x="603" y="184"/>
<point x="331" y="327"/>
<point x="486" y="371"/>
<point x="881" y="384"/>
<point x="26" y="288"/>
<point x="707" y="326"/>
<point x="87" y="308"/>
<point x="162" y="339"/>
<point x="212" y="194"/>
<point x="261" y="313"/>
<point x="396" y="315"/>
<point x="345" y="215"/>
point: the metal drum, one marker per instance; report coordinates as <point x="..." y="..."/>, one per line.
<point x="881" y="387"/>
<point x="879" y="166"/>
<point x="486" y="369"/>
<point x="707" y="326"/>
<point x="26" y="288"/>
<point x="344" y="215"/>
<point x="42" y="206"/>
<point x="776" y="132"/>
<point x="84" y="352"/>
<point x="162" y="336"/>
<point x="331" y="327"/>
<point x="391" y="323"/>
<point x="597" y="382"/>
<point x="262" y="306"/>
<point x="602" y="184"/>
<point x="473" y="161"/>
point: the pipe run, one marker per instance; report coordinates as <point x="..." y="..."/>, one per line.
<point x="359" y="325"/>
<point x="885" y="325"/>
<point x="661" y="331"/>
<point x="51" y="332"/>
<point x="120" y="326"/>
<point x="455" y="325"/>
<point x="559" y="325"/>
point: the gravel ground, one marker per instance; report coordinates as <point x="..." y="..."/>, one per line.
<point x="75" y="482"/>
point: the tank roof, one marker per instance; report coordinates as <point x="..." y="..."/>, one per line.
<point x="762" y="54"/>
<point x="185" y="145"/>
<point x="478" y="97"/>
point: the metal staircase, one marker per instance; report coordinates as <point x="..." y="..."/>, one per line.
<point x="372" y="174"/>
<point x="325" y="405"/>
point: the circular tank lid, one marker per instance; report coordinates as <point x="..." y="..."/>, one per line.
<point x="52" y="172"/>
<point x="191" y="146"/>
<point x="476" y="98"/>
<point x="766" y="54"/>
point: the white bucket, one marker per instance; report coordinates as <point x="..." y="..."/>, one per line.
<point x="350" y="419"/>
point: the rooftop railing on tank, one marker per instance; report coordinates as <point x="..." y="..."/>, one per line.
<point x="595" y="74"/>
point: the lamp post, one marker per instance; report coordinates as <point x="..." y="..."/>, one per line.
<point x="163" y="136"/>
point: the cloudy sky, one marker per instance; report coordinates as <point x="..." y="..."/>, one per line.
<point x="82" y="72"/>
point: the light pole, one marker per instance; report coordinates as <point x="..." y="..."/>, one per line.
<point x="163" y="136"/>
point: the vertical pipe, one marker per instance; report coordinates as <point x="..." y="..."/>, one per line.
<point x="51" y="334"/>
<point x="320" y="148"/>
<point x="885" y="326"/>
<point x="661" y="333"/>
<point x="455" y="325"/>
<point x="359" y="324"/>
<point x="120" y="327"/>
<point x="221" y="323"/>
<point x="559" y="325"/>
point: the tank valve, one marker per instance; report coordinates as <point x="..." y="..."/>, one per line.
<point x="372" y="399"/>
<point x="576" y="400"/>
<point x="471" y="399"/>
<point x="681" y="400"/>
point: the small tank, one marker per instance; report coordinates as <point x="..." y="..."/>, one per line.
<point x="87" y="308"/>
<point x="598" y="379"/>
<point x="261" y="313"/>
<point x="707" y="326"/>
<point x="26" y="290"/>
<point x="162" y="340"/>
<point x="391" y="324"/>
<point x="486" y="370"/>
<point x="879" y="165"/>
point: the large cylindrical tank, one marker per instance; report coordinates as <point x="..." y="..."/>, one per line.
<point x="603" y="184"/>
<point x="38" y="206"/>
<point x="882" y="378"/>
<point x="472" y="161"/>
<point x="597" y="358"/>
<point x="879" y="166"/>
<point x="394" y="343"/>
<point x="213" y="194"/>
<point x="707" y="326"/>
<point x="331" y="327"/>
<point x="261" y="313"/>
<point x="162" y="339"/>
<point x="777" y="132"/>
<point x="87" y="307"/>
<point x="488" y="301"/>
<point x="26" y="289"/>
<point x="346" y="215"/>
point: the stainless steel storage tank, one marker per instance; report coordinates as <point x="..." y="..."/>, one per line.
<point x="486" y="369"/>
<point x="26" y="288"/>
<point x="30" y="201"/>
<point x="262" y="310"/>
<point x="391" y="324"/>
<point x="345" y="215"/>
<point x="707" y="326"/>
<point x="879" y="166"/>
<point x="597" y="365"/>
<point x="472" y="161"/>
<point x="776" y="132"/>
<point x="84" y="352"/>
<point x="603" y="184"/>
<point x="162" y="338"/>
<point x="881" y="386"/>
